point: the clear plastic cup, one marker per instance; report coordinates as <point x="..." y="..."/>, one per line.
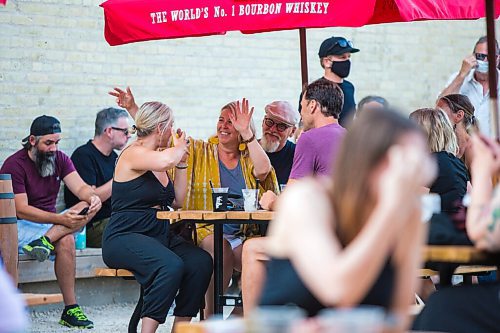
<point x="250" y="199"/>
<point x="362" y="319"/>
<point x="274" y="319"/>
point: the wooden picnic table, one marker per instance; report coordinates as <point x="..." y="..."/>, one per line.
<point x="218" y="219"/>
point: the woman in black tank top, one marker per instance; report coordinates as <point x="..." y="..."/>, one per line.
<point x="356" y="242"/>
<point x="166" y="266"/>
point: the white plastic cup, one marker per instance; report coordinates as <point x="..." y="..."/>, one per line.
<point x="274" y="319"/>
<point x="250" y="199"/>
<point x="362" y="319"/>
<point x="431" y="204"/>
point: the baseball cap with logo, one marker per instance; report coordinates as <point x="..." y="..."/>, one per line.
<point x="44" y="125"/>
<point x="336" y="46"/>
<point x="282" y="111"/>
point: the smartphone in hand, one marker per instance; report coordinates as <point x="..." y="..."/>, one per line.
<point x="84" y="211"/>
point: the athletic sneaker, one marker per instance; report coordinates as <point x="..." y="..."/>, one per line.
<point x="39" y="249"/>
<point x="73" y="316"/>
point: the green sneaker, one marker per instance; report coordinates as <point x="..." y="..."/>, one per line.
<point x="74" y="317"/>
<point x="39" y="249"/>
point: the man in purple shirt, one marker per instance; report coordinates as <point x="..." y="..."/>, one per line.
<point x="317" y="148"/>
<point x="37" y="171"/>
<point x="315" y="155"/>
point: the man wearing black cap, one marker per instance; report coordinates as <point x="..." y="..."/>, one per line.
<point x="37" y="171"/>
<point x="334" y="56"/>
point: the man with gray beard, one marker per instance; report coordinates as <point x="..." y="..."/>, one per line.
<point x="278" y="125"/>
<point x="37" y="171"/>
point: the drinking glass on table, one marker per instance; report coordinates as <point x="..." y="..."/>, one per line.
<point x="362" y="319"/>
<point x="250" y="199"/>
<point x="274" y="319"/>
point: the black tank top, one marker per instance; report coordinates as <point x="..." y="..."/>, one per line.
<point x="131" y="207"/>
<point x="285" y="287"/>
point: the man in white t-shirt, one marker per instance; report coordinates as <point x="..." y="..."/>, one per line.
<point x="472" y="81"/>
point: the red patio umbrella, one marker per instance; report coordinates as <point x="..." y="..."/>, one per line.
<point x="128" y="21"/>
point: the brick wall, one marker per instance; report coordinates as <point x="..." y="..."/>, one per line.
<point x="54" y="60"/>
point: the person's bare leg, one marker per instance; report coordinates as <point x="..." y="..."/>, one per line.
<point x="207" y="244"/>
<point x="149" y="325"/>
<point x="179" y="320"/>
<point x="253" y="273"/>
<point x="64" y="267"/>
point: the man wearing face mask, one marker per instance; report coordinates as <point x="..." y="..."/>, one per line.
<point x="334" y="56"/>
<point x="472" y="81"/>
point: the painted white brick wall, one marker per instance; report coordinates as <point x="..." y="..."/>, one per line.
<point x="54" y="60"/>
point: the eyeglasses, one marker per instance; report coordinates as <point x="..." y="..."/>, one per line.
<point x="124" y="130"/>
<point x="342" y="42"/>
<point x="481" y="56"/>
<point x="281" y="127"/>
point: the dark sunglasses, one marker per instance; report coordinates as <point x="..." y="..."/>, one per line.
<point x="342" y="42"/>
<point x="124" y="130"/>
<point x="481" y="56"/>
<point x="281" y="127"/>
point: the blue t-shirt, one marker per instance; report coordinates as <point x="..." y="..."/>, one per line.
<point x="232" y="178"/>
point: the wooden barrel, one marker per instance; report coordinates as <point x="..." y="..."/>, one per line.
<point x="8" y="226"/>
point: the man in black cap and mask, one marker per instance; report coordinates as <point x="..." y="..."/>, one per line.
<point x="37" y="171"/>
<point x="334" y="56"/>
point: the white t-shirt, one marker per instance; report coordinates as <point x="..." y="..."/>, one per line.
<point x="474" y="90"/>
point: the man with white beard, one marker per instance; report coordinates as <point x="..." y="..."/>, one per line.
<point x="278" y="125"/>
<point x="37" y="171"/>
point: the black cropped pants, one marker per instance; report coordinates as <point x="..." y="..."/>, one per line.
<point x="174" y="269"/>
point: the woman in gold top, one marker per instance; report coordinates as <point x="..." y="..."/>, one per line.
<point x="232" y="158"/>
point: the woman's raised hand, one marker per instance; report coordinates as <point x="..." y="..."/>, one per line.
<point x="125" y="99"/>
<point x="408" y="169"/>
<point x="485" y="154"/>
<point x="241" y="117"/>
<point x="180" y="142"/>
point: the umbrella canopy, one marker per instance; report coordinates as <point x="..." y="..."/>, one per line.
<point x="128" y="21"/>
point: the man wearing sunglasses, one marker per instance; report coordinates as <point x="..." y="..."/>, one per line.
<point x="334" y="56"/>
<point x="278" y="125"/>
<point x="95" y="162"/>
<point x="472" y="81"/>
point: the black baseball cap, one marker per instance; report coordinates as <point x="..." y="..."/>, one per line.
<point x="44" y="125"/>
<point x="336" y="46"/>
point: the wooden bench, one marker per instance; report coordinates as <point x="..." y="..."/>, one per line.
<point x="42" y="299"/>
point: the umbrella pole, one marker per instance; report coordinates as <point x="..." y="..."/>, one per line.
<point x="303" y="56"/>
<point x="492" y="69"/>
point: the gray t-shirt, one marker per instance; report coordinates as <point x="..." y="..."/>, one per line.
<point x="232" y="178"/>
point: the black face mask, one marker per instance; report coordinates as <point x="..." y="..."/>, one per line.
<point x="341" y="68"/>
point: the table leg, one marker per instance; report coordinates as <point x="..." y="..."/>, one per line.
<point x="218" y="268"/>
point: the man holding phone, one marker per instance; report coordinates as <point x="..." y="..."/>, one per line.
<point x="472" y="81"/>
<point x="37" y="170"/>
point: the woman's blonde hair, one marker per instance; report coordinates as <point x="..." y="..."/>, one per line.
<point x="150" y="115"/>
<point x="437" y="126"/>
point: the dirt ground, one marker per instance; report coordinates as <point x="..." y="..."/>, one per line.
<point x="108" y="318"/>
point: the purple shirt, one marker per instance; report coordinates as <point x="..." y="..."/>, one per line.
<point x="41" y="191"/>
<point x="316" y="151"/>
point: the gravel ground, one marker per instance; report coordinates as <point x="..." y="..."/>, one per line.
<point x="107" y="318"/>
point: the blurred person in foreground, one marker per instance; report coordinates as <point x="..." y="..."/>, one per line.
<point x="354" y="240"/>
<point x="473" y="308"/>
